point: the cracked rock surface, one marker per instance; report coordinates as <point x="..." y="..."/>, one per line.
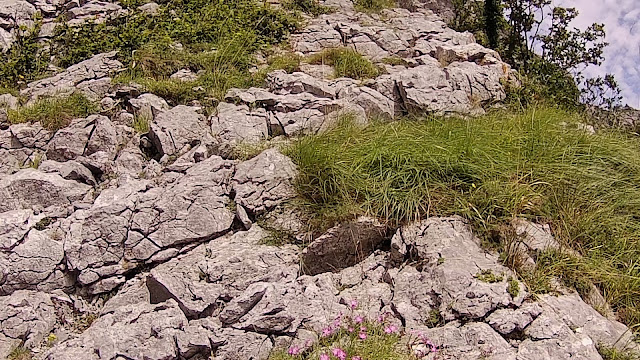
<point x="122" y="245"/>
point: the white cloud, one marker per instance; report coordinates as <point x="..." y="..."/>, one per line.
<point x="622" y="56"/>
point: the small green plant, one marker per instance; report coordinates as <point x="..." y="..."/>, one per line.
<point x="141" y="123"/>
<point x="514" y="287"/>
<point x="488" y="276"/>
<point x="373" y="6"/>
<point x="311" y="7"/>
<point x="20" y="353"/>
<point x="346" y="63"/>
<point x="440" y="260"/>
<point x="395" y="60"/>
<point x="54" y="113"/>
<point x="288" y="62"/>
<point x="611" y="353"/>
<point x="435" y="318"/>
<point x="51" y="339"/>
<point x="43" y="223"/>
<point x="35" y="163"/>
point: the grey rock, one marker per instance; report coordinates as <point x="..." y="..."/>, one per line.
<point x="29" y="188"/>
<point x="148" y="105"/>
<point x="76" y="77"/>
<point x="139" y="331"/>
<point x="185" y="75"/>
<point x="579" y="347"/>
<point x="97" y="11"/>
<point x="27" y="316"/>
<point x="536" y="237"/>
<point x="69" y="170"/>
<point x="70" y="143"/>
<point x="103" y="137"/>
<point x="506" y="321"/>
<point x="452" y="260"/>
<point x="374" y="104"/>
<point x="235" y="124"/>
<point x="9" y="101"/>
<point x="31" y="135"/>
<point x="129" y="224"/>
<point x="35" y="264"/>
<point x="343" y="246"/>
<point x="150" y="8"/>
<point x="264" y="181"/>
<point x="14" y="225"/>
<point x="173" y="131"/>
<point x="282" y="83"/>
<point x="221" y="269"/>
<point x="470" y="341"/>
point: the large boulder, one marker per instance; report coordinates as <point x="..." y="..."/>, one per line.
<point x="343" y="246"/>
<point x="264" y="181"/>
<point x="135" y="223"/>
<point x="30" y="188"/>
<point x="175" y="131"/>
<point x="87" y="77"/>
<point x="237" y="124"/>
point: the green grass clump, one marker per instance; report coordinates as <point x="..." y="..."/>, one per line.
<point x="311" y="7"/>
<point x="609" y="353"/>
<point x="535" y="164"/>
<point x="20" y="353"/>
<point x="395" y="60"/>
<point x="54" y="113"/>
<point x="346" y="62"/>
<point x="288" y="62"/>
<point x="489" y="277"/>
<point x="373" y="6"/>
<point x="141" y="123"/>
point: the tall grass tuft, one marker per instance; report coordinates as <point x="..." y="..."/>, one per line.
<point x="536" y="164"/>
<point x="346" y="63"/>
<point x="54" y="113"/>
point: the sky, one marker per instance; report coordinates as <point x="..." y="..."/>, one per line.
<point x="622" y="24"/>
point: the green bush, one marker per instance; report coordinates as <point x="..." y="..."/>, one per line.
<point x="54" y="113"/>
<point x="536" y="164"/>
<point x="24" y="61"/>
<point x="346" y="63"/>
<point x="288" y="62"/>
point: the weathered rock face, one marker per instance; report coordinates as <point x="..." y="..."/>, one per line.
<point x="177" y="235"/>
<point x="90" y="77"/>
<point x="264" y="181"/>
<point x="343" y="246"/>
<point x="135" y="224"/>
<point x="177" y="130"/>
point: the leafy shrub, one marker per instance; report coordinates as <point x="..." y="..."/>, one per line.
<point x="346" y="62"/>
<point x="537" y="164"/>
<point x="54" y="113"/>
<point x="25" y="60"/>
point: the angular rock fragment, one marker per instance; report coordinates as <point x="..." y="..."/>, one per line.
<point x="343" y="245"/>
<point x="264" y="181"/>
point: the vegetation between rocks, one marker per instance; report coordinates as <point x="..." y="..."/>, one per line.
<point x="346" y="63"/>
<point x="536" y="164"/>
<point x="353" y="337"/>
<point x="54" y="113"/>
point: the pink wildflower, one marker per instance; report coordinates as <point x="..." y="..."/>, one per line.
<point x="350" y="329"/>
<point x="362" y="336"/>
<point x="328" y="331"/>
<point x="354" y="304"/>
<point x="294" y="350"/>
<point x="356" y="358"/>
<point x="324" y="357"/>
<point x="358" y="319"/>
<point x="363" y="328"/>
<point x="391" y="329"/>
<point x="339" y="353"/>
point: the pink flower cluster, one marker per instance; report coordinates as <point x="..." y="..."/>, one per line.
<point x="422" y="339"/>
<point x="352" y="324"/>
